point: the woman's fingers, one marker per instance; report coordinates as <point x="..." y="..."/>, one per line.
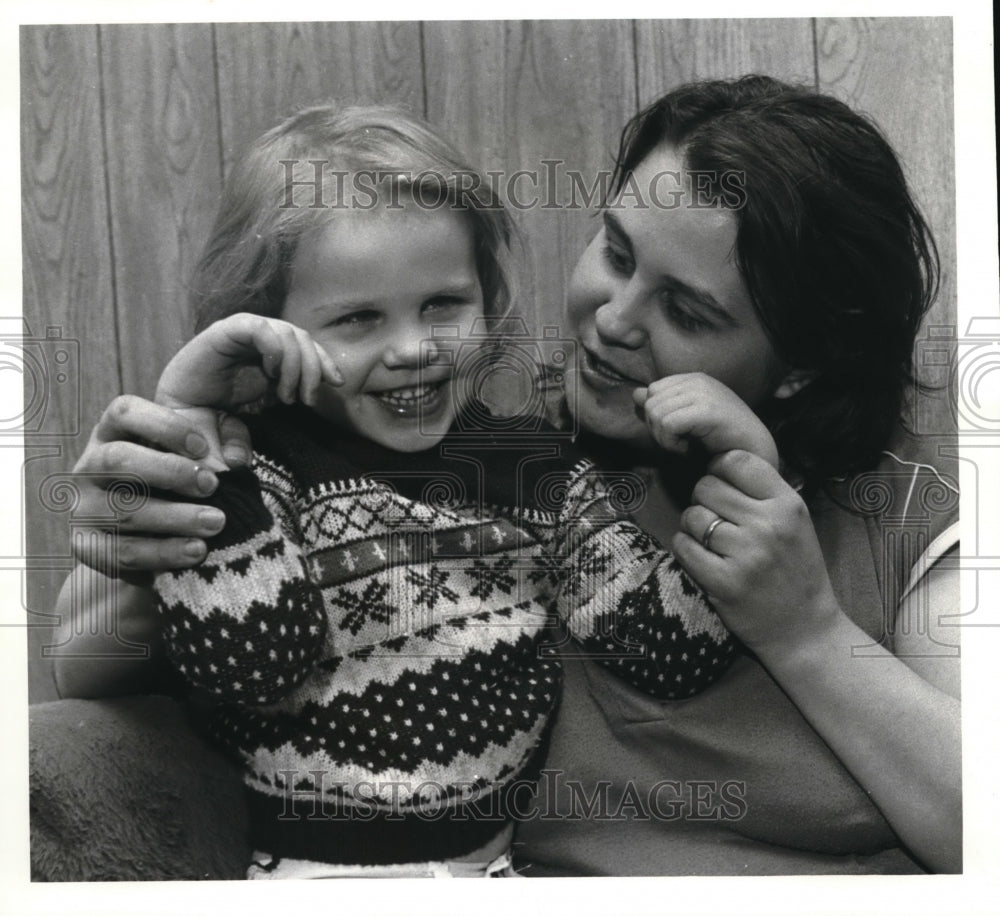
<point x="134" y="418"/>
<point x="709" y="529"/>
<point x="159" y="517"/>
<point x="748" y="473"/>
<point x="118" y="556"/>
<point x="158" y="470"/>
<point x="723" y="499"/>
<point x="706" y="567"/>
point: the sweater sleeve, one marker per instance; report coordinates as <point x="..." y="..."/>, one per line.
<point x="247" y="624"/>
<point x="626" y="600"/>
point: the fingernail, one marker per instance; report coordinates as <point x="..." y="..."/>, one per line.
<point x="212" y="520"/>
<point x="194" y="550"/>
<point x="235" y="455"/>
<point x="196" y="445"/>
<point x="207" y="481"/>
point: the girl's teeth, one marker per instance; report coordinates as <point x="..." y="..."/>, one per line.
<point x="407" y="395"/>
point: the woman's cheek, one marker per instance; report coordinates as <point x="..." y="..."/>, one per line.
<point x="586" y="291"/>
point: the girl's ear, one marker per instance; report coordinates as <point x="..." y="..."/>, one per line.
<point x="793" y="383"/>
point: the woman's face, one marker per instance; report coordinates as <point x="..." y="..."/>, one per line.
<point x="657" y="293"/>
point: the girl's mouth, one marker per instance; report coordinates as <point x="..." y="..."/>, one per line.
<point x="411" y="400"/>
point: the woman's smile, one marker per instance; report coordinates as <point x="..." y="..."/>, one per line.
<point x="600" y="374"/>
<point x="658" y="293"/>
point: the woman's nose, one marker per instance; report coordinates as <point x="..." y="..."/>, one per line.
<point x="619" y="320"/>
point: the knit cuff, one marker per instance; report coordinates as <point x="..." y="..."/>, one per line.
<point x="239" y="497"/>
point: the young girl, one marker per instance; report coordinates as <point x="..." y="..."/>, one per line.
<point x="371" y="623"/>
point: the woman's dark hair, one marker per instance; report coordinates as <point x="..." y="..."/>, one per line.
<point x="839" y="263"/>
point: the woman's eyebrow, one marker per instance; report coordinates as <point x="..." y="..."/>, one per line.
<point x="700" y="296"/>
<point x="615" y="228"/>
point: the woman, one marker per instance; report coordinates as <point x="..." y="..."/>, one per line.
<point x="794" y="267"/>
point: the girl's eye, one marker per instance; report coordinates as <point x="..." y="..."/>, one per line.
<point x="681" y="316"/>
<point x="356" y="319"/>
<point x="444" y="303"/>
<point x="618" y="261"/>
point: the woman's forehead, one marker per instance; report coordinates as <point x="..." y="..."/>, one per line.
<point x="676" y="230"/>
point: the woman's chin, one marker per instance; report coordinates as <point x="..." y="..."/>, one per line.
<point x="610" y="416"/>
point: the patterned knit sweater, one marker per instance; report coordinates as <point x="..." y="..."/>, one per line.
<point x="377" y="629"/>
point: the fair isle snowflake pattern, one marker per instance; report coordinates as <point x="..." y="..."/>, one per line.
<point x="355" y="635"/>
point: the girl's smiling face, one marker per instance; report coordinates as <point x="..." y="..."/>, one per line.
<point x="658" y="292"/>
<point x="371" y="286"/>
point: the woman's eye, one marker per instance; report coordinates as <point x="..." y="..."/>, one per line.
<point x="680" y="316"/>
<point x="618" y="261"/>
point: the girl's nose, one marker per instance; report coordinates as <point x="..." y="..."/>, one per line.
<point x="619" y="321"/>
<point x="408" y="348"/>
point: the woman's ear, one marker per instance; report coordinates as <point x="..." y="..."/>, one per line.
<point x="794" y="382"/>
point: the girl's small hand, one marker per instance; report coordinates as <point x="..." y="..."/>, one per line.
<point x="762" y="566"/>
<point x="695" y="406"/>
<point x="238" y="359"/>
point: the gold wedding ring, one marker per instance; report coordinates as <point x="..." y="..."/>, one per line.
<point x="706" y="538"/>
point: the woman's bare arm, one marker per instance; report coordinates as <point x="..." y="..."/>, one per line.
<point x="892" y="719"/>
<point x="105" y="623"/>
<point x="106" y="607"/>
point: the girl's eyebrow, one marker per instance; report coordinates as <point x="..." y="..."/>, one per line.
<point x="458" y="290"/>
<point x="702" y="297"/>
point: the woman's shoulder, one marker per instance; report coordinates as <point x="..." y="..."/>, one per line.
<point x="915" y="481"/>
<point x="880" y="529"/>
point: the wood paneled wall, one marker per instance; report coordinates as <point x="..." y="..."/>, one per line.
<point x="129" y="130"/>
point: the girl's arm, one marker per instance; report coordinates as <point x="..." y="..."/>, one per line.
<point x="138" y="444"/>
<point x="247" y="624"/>
<point x="626" y="600"/>
<point x="237" y="360"/>
<point x="892" y="720"/>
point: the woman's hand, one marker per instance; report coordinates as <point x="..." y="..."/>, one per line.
<point x="895" y="726"/>
<point x="167" y="451"/>
<point x="762" y="565"/>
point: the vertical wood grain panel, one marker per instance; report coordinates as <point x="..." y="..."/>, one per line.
<point x="163" y="167"/>
<point x="678" y="51"/>
<point x="66" y="261"/>
<point x="108" y="260"/>
<point x="517" y="93"/>
<point x="266" y="70"/>
<point x="899" y="71"/>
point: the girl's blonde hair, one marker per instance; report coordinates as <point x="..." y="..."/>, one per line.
<point x="324" y="158"/>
